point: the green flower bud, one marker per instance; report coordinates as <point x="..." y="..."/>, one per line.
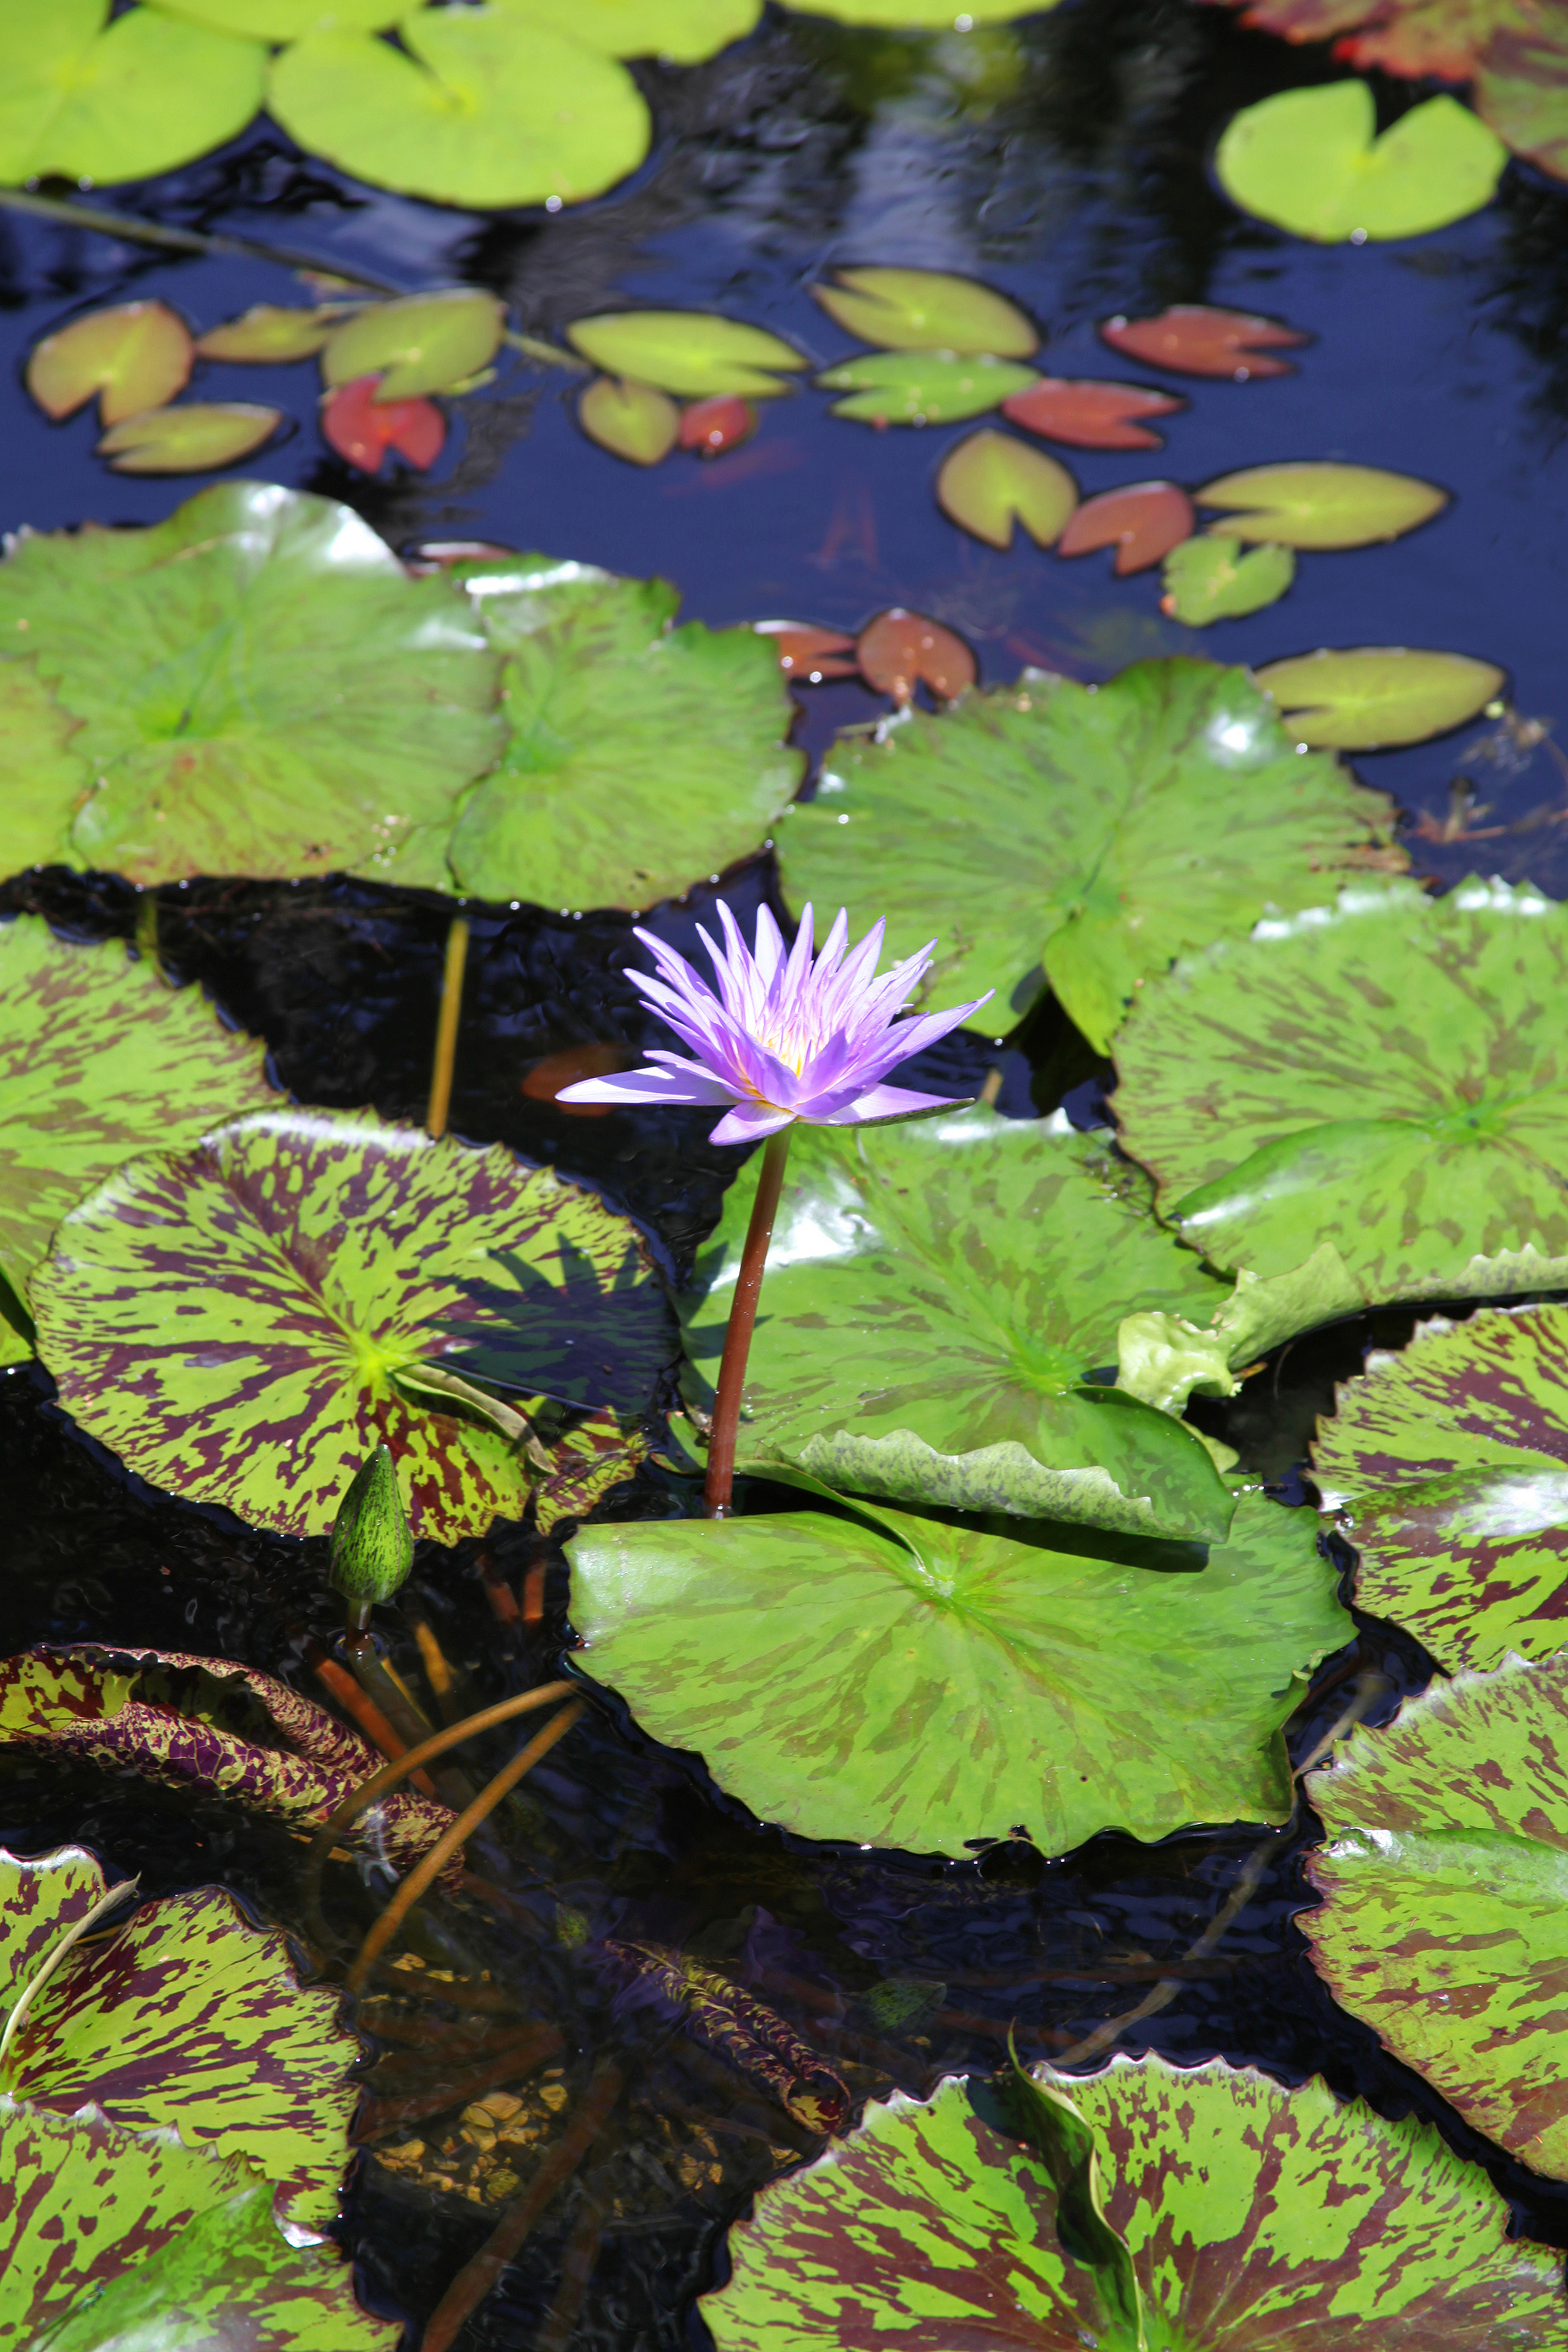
<point x="372" y="1549"/>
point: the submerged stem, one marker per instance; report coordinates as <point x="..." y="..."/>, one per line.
<point x="721" y="1480"/>
<point x="447" y="1025"/>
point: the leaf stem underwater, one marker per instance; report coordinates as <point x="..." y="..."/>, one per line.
<point x="718" y="1485"/>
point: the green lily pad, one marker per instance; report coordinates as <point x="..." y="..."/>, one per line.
<point x="1443" y="1923"/>
<point x="1315" y="503"/>
<point x="90" y="100"/>
<point x="193" y="440"/>
<point x="99" y="1058"/>
<point x="482" y="106"/>
<point x="1448" y="1467"/>
<point x="243" y="1323"/>
<point x="1370" y="697"/>
<point x="262" y="688"/>
<point x="927" y="311"/>
<point x="268" y="332"/>
<point x="427" y="343"/>
<point x="902" y="16"/>
<point x="1093" y="833"/>
<point x="1211" y="580"/>
<point x="288" y="20"/>
<point x="937" y="1296"/>
<point x="134" y="356"/>
<point x="992" y="480"/>
<point x="188" y="2017"/>
<point x="1309" y="161"/>
<point x="630" y="420"/>
<point x="1253" y="2215"/>
<point x="922" y="387"/>
<point x="692" y="353"/>
<point x="641" y="755"/>
<point x="112" y="2239"/>
<point x="903" y="1680"/>
<point x="1428" y="1031"/>
<point x="43" y="779"/>
<point x="679" y="32"/>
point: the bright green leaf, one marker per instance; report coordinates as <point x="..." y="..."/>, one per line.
<point x="480" y="107"/>
<point x="1444" y="1924"/>
<point x="677" y="32"/>
<point x="903" y="16"/>
<point x="1256" y="2216"/>
<point x="263" y="688"/>
<point x="189" y="440"/>
<point x="135" y="356"/>
<point x="690" y="352"/>
<point x="922" y="387"/>
<point x="1429" y="1032"/>
<point x="1211" y="580"/>
<point x="288" y="20"/>
<point x="1368" y="696"/>
<point x="1091" y="832"/>
<point x="927" y="311"/>
<point x="641" y="756"/>
<point x="1321" y="504"/>
<point x="991" y="480"/>
<point x="268" y="332"/>
<point x="1163" y="1358"/>
<point x="91" y="100"/>
<point x="427" y="343"/>
<point x="908" y="1681"/>
<point x="43" y="779"/>
<point x="1309" y="161"/>
<point x="630" y="420"/>
<point x="937" y="1296"/>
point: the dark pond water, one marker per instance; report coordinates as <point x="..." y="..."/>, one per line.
<point x="1065" y="161"/>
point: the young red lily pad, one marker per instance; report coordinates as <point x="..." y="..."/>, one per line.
<point x="1198" y="339"/>
<point x="1442" y="1923"/>
<point x="710" y="426"/>
<point x="1252" y="2214"/>
<point x="362" y="427"/>
<point x="927" y="311"/>
<point x="632" y="421"/>
<point x="1143" y="523"/>
<point x="1445" y="38"/>
<point x="135" y="356"/>
<point x="1091" y="415"/>
<point x="991" y="480"/>
<point x="898" y="651"/>
<point x="245" y="1322"/>
<point x="808" y="656"/>
<point x="196" y="438"/>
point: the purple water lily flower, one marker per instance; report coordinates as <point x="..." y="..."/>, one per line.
<point x="783" y="1038"/>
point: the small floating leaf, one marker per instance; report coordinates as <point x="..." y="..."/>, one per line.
<point x="1211" y="580"/>
<point x="1089" y="415"/>
<point x="363" y="427"/>
<point x="1314" y="503"/>
<point x="809" y="655"/>
<point x="991" y="481"/>
<point x="690" y="352"/>
<point x="194" y="439"/>
<point x="268" y="332"/>
<point x="898" y="651"/>
<point x="922" y="387"/>
<point x="712" y="426"/>
<point x="677" y="32"/>
<point x="926" y="311"/>
<point x="427" y="343"/>
<point x="89" y="100"/>
<point x="1309" y="161"/>
<point x="630" y="420"/>
<point x="288" y="20"/>
<point x="480" y="107"/>
<point x="1365" y="698"/>
<point x="135" y="356"/>
<point x="1197" y="339"/>
<point x="1143" y="523"/>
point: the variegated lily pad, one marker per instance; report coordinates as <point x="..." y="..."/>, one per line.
<point x="1443" y="1876"/>
<point x="1253" y="2215"/>
<point x="905" y="1680"/>
<point x="937" y="1296"/>
<point x="1448" y="1465"/>
<point x="99" y="1058"/>
<point x="1386" y="1079"/>
<point x="245" y="1322"/>
<point x="188" y="2016"/>
<point x="1049" y="833"/>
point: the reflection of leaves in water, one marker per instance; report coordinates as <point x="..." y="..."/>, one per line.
<point x="568" y="1339"/>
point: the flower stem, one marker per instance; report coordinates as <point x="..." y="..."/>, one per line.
<point x="720" y="1480"/>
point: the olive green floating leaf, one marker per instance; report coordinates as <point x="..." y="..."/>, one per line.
<point x="938" y="1295"/>
<point x="1387" y="1077"/>
<point x="480" y="107"/>
<point x="677" y="32"/>
<point x="1443" y="1923"/>
<point x="135" y="356"/>
<point x="1254" y="2215"/>
<point x="243" y="1322"/>
<point x="927" y="311"/>
<point x="99" y="1059"/>
<point x="992" y="480"/>
<point x="288" y="20"/>
<point x="1049" y="833"/>
<point x="269" y="332"/>
<point x="194" y="439"/>
<point x="922" y="387"/>
<point x="263" y="688"/>
<point x="1448" y="1465"/>
<point x="904" y="1680"/>
<point x="89" y="100"/>
<point x="427" y="343"/>
<point x="110" y="2239"/>
<point x="641" y="756"/>
<point x="1367" y="697"/>
<point x="1211" y="580"/>
<point x="630" y="420"/>
<point x="1319" y="503"/>
<point x="693" y="353"/>
<point x="1310" y="161"/>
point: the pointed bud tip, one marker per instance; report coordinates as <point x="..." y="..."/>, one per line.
<point x="372" y="1547"/>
